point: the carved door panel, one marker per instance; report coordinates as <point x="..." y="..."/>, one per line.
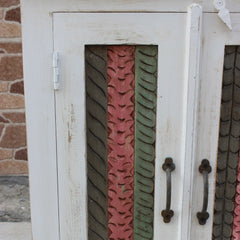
<point x="132" y="97"/>
<point x="119" y="113"/>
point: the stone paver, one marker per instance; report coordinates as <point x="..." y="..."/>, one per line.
<point x="14" y="199"/>
<point x="15" y="231"/>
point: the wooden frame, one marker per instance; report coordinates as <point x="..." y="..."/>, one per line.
<point x="216" y="36"/>
<point x="192" y="84"/>
<point x="116" y="28"/>
<point x="40" y="100"/>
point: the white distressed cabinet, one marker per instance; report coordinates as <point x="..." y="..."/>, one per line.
<point x="191" y="38"/>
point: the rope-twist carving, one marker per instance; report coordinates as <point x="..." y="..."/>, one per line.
<point x="228" y="147"/>
<point x="96" y="119"/>
<point x="145" y="132"/>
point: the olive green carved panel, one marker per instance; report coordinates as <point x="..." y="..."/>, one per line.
<point x="145" y="132"/>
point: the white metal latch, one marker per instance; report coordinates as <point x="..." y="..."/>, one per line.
<point x="56" y="73"/>
<point x="223" y="12"/>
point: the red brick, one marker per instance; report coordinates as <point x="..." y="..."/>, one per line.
<point x="1" y="129"/>
<point x="11" y="68"/>
<point x="10" y="167"/>
<point x="3" y="120"/>
<point x="3" y="87"/>
<point x="21" y="154"/>
<point x="11" y="47"/>
<point x="13" y="15"/>
<point x="15" y="117"/>
<point x="9" y="3"/>
<point x="10" y="30"/>
<point x="17" y="88"/>
<point x="5" y="154"/>
<point x="1" y="13"/>
<point x="14" y="137"/>
<point x="11" y="101"/>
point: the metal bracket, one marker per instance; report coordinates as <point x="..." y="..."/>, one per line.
<point x="223" y="12"/>
<point x="56" y="73"/>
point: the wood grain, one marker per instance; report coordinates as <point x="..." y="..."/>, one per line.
<point x="120" y="70"/>
<point x="145" y="134"/>
<point x="96" y="117"/>
<point x="228" y="147"/>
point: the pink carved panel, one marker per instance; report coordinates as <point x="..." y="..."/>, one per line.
<point x="120" y="71"/>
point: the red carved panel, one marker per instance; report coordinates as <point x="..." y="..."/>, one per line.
<point x="236" y="218"/>
<point x="120" y="71"/>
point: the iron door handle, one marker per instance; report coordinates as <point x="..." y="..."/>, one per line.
<point x="168" y="167"/>
<point x="205" y="169"/>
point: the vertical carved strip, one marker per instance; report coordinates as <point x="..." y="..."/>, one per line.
<point x="120" y="70"/>
<point x="96" y="118"/>
<point x="236" y="129"/>
<point x="228" y="147"/>
<point x="145" y="132"/>
<point x="236" y="219"/>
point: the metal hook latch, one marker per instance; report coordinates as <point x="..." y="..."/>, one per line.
<point x="223" y="12"/>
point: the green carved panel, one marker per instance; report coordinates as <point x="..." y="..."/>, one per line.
<point x="145" y="134"/>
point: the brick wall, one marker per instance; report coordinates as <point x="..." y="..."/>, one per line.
<point x="13" y="153"/>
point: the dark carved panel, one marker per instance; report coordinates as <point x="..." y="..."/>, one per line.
<point x="228" y="149"/>
<point x="145" y="132"/>
<point x="96" y="117"/>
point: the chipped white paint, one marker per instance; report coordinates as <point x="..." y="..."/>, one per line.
<point x="215" y="37"/>
<point x="223" y="12"/>
<point x="164" y="30"/>
<point x="171" y="109"/>
<point x="190" y="108"/>
<point x="45" y="6"/>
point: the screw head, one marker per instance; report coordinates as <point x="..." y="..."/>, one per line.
<point x="168" y="164"/>
<point x="219" y="4"/>
<point x="205" y="166"/>
<point x="167" y="215"/>
<point x="202" y="217"/>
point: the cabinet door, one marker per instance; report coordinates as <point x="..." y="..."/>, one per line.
<point x="83" y="37"/>
<point x="216" y="36"/>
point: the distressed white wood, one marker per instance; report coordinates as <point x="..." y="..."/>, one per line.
<point x="215" y="37"/>
<point x="190" y="108"/>
<point x="46" y="6"/>
<point x="40" y="118"/>
<point x="37" y="53"/>
<point x="161" y="29"/>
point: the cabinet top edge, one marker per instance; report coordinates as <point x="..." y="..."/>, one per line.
<point x="122" y="5"/>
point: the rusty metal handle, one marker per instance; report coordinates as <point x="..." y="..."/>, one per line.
<point x="168" y="167"/>
<point x="205" y="169"/>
